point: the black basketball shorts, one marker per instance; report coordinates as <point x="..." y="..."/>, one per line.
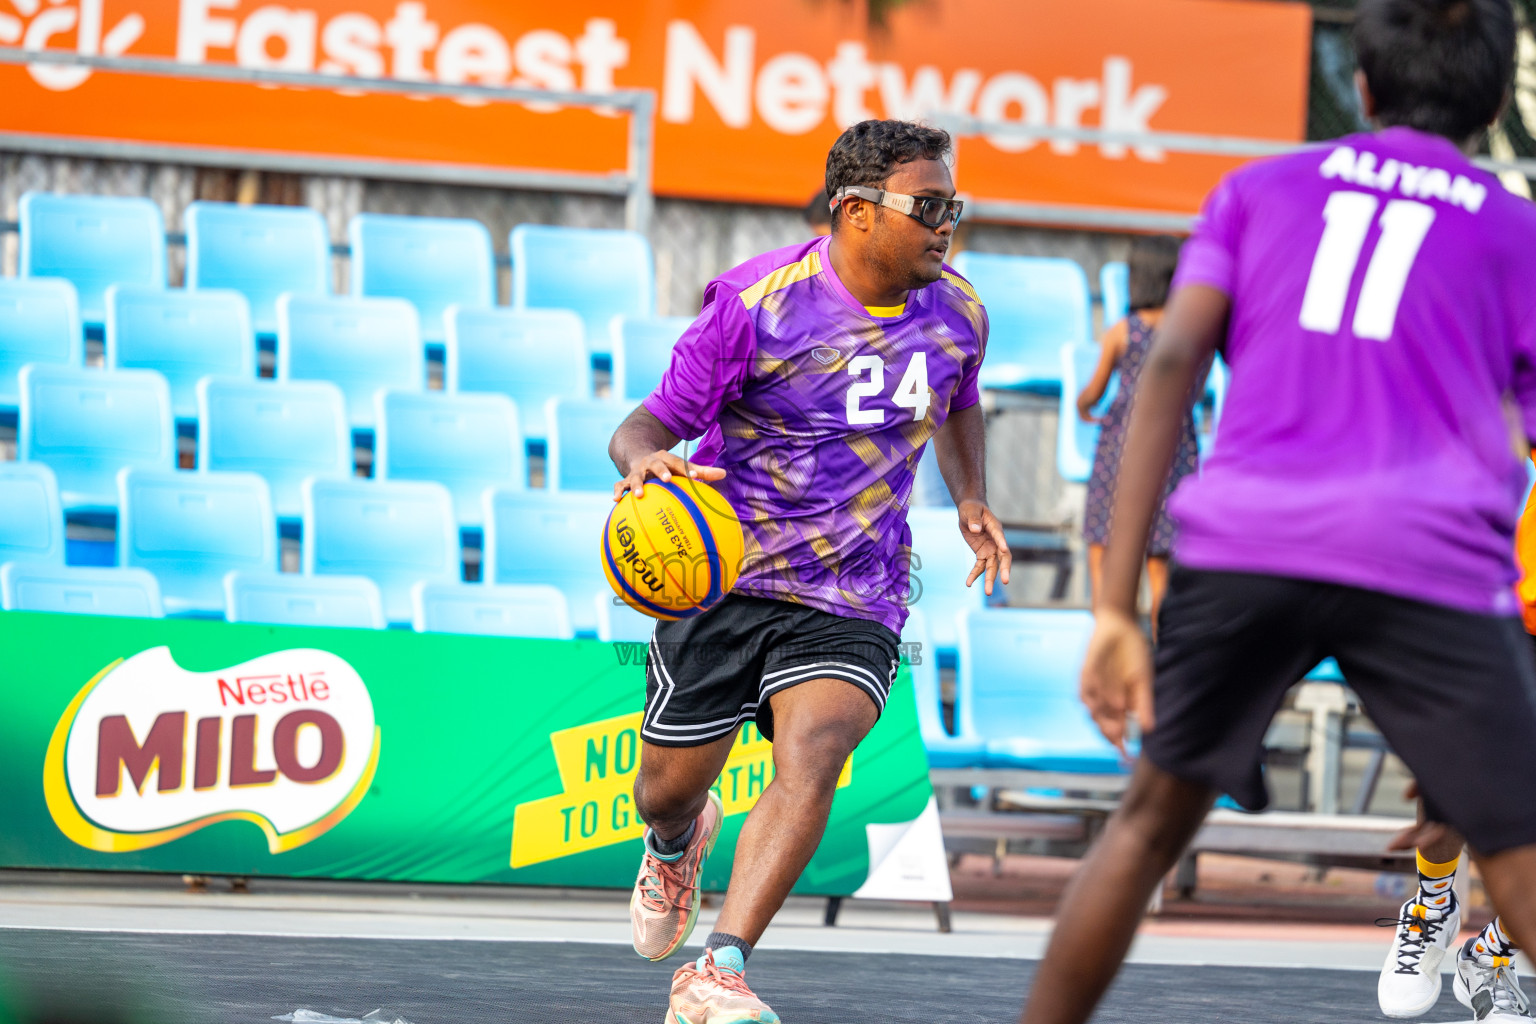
<point x="706" y="675"/>
<point x="1453" y="692"/>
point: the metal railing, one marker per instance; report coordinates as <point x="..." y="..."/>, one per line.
<point x="982" y="208"/>
<point x="633" y="183"/>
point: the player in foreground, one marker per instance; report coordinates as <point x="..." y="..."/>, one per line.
<point x="815" y="375"/>
<point x="1374" y="303"/>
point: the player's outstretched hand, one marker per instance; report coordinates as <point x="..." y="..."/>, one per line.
<point x="1117" y="676"/>
<point x="984" y="534"/>
<point x="663" y="466"/>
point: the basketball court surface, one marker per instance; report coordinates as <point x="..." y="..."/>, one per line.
<point x="151" y="954"/>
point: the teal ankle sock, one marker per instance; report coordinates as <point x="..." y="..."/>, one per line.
<point x="728" y="958"/>
<point x="731" y="952"/>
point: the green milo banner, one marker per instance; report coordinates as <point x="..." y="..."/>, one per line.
<point x="202" y="747"/>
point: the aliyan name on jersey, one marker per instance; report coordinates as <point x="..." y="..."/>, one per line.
<point x="1411" y="180"/>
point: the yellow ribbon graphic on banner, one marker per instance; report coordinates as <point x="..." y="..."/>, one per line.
<point x="597" y="764"/>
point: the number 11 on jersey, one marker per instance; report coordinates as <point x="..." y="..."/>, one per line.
<point x="1347" y="220"/>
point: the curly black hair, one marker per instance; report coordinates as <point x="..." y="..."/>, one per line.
<point x="869" y="152"/>
<point x="1441" y="66"/>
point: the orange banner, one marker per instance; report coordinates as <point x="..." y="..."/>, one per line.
<point x="750" y="95"/>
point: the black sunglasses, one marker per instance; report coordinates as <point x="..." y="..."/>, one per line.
<point x="930" y="211"/>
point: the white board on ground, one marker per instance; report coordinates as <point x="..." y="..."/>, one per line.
<point x="907" y="861"/>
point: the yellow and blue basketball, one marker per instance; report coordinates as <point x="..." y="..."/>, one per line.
<point x="673" y="552"/>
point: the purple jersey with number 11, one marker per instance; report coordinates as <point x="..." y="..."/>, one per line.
<point x="818" y="409"/>
<point x="1383" y="351"/>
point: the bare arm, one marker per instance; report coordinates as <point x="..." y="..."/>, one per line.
<point x="1117" y="673"/>
<point x="641" y="447"/>
<point x="1111" y="348"/>
<point x="961" y="448"/>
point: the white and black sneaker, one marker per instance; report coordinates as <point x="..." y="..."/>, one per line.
<point x="1486" y="984"/>
<point x="1410" y="979"/>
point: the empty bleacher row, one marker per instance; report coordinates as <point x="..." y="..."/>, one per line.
<point x="1036" y="304"/>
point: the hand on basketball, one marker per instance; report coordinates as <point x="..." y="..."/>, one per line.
<point x="1117" y="676"/>
<point x="663" y="466"/>
<point x="984" y="534"/>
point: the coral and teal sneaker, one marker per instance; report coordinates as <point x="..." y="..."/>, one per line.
<point x="714" y="991"/>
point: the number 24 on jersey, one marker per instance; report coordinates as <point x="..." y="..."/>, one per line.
<point x="911" y="390"/>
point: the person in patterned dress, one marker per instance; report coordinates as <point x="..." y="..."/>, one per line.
<point x="1124" y="348"/>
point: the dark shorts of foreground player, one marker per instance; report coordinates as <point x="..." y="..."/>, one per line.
<point x="707" y="675"/>
<point x="1453" y="692"/>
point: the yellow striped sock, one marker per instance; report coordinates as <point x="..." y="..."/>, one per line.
<point x="1429" y="869"/>
<point x="1435" y="880"/>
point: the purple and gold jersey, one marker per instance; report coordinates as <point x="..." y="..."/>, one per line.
<point x="1383" y="315"/>
<point x="818" y="410"/>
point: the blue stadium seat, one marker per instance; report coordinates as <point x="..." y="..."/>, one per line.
<point x="466" y="442"/>
<point x="396" y="533"/>
<point x="530" y="356"/>
<point x="1115" y="292"/>
<point x="288" y="599"/>
<point x="283" y="431"/>
<point x="1035" y="305"/>
<point x="1326" y="671"/>
<point x="1216" y="383"/>
<point x="539" y="537"/>
<point x="944" y="750"/>
<point x="39" y="323"/>
<point x="579" y="432"/>
<point x="642" y="351"/>
<point x="31" y="517"/>
<point x="1076" y="440"/>
<point x="189" y="529"/>
<point x="431" y="262"/>
<point x="259" y="251"/>
<point x="88" y="424"/>
<point x="618" y="622"/>
<point x="93" y="242"/>
<point x="184" y="335"/>
<point x="928" y="487"/>
<point x="534" y="610"/>
<point x="941" y="559"/>
<point x="1018" y="690"/>
<point x="360" y="345"/>
<point x="29" y="587"/>
<point x="598" y="273"/>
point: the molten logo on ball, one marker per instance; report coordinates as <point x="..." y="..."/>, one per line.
<point x="148" y="752"/>
<point x="673" y="552"/>
<point x="633" y="562"/>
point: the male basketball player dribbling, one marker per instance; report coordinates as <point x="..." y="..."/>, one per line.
<point x="815" y="375"/>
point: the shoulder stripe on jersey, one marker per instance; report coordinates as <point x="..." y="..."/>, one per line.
<point x="808" y="267"/>
<point x="962" y="284"/>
